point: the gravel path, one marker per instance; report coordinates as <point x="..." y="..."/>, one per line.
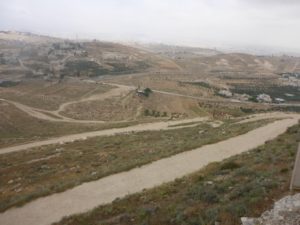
<point x="85" y="197"/>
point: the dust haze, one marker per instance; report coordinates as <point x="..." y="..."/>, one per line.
<point x="227" y="23"/>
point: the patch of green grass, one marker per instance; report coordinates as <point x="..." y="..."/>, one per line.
<point x="244" y="185"/>
<point x="55" y="168"/>
<point x="230" y="165"/>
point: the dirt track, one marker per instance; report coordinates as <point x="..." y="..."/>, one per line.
<point x="85" y="197"/>
<point x="135" y="128"/>
<point x="108" y="132"/>
<point x="57" y="117"/>
<point x="216" y="100"/>
<point x="118" y="91"/>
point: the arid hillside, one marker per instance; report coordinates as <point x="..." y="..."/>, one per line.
<point x="28" y="55"/>
<point x="83" y="123"/>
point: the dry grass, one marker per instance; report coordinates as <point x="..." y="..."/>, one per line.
<point x="30" y="174"/>
<point x="17" y="127"/>
<point x="132" y="107"/>
<point x="49" y="96"/>
<point x="244" y="185"/>
<point x="165" y="83"/>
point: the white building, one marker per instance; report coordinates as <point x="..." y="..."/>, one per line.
<point x="225" y="93"/>
<point x="264" y="98"/>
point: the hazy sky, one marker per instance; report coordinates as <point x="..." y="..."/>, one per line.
<point x="274" y="23"/>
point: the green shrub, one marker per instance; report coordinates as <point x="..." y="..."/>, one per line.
<point x="230" y="166"/>
<point x="147" y="112"/>
<point x="147" y="91"/>
<point x="204" y="193"/>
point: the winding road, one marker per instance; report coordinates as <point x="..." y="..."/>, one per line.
<point x="55" y="116"/>
<point x="50" y="209"/>
<point x="119" y="90"/>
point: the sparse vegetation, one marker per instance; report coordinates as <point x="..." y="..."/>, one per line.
<point x="42" y="95"/>
<point x="155" y="113"/>
<point x="16" y="127"/>
<point x="84" y="68"/>
<point x="244" y="185"/>
<point x="202" y="84"/>
<point x="44" y="73"/>
<point x="221" y="111"/>
<point x="33" y="173"/>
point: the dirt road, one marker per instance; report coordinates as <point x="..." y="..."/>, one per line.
<point x="218" y="100"/>
<point x="46" y="115"/>
<point x="85" y="197"/>
<point x="55" y="116"/>
<point x="118" y="91"/>
<point x="137" y="128"/>
<point x="108" y="132"/>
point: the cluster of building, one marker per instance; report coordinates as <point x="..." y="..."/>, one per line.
<point x="291" y="79"/>
<point x="67" y="48"/>
<point x="262" y="98"/>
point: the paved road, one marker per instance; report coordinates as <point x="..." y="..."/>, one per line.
<point x="85" y="197"/>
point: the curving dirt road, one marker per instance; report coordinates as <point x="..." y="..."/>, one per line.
<point x="55" y="116"/>
<point x="85" y="197"/>
<point x="47" y="115"/>
<point x="108" y="132"/>
<point x="118" y="91"/>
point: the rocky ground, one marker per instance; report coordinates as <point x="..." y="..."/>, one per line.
<point x="286" y="211"/>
